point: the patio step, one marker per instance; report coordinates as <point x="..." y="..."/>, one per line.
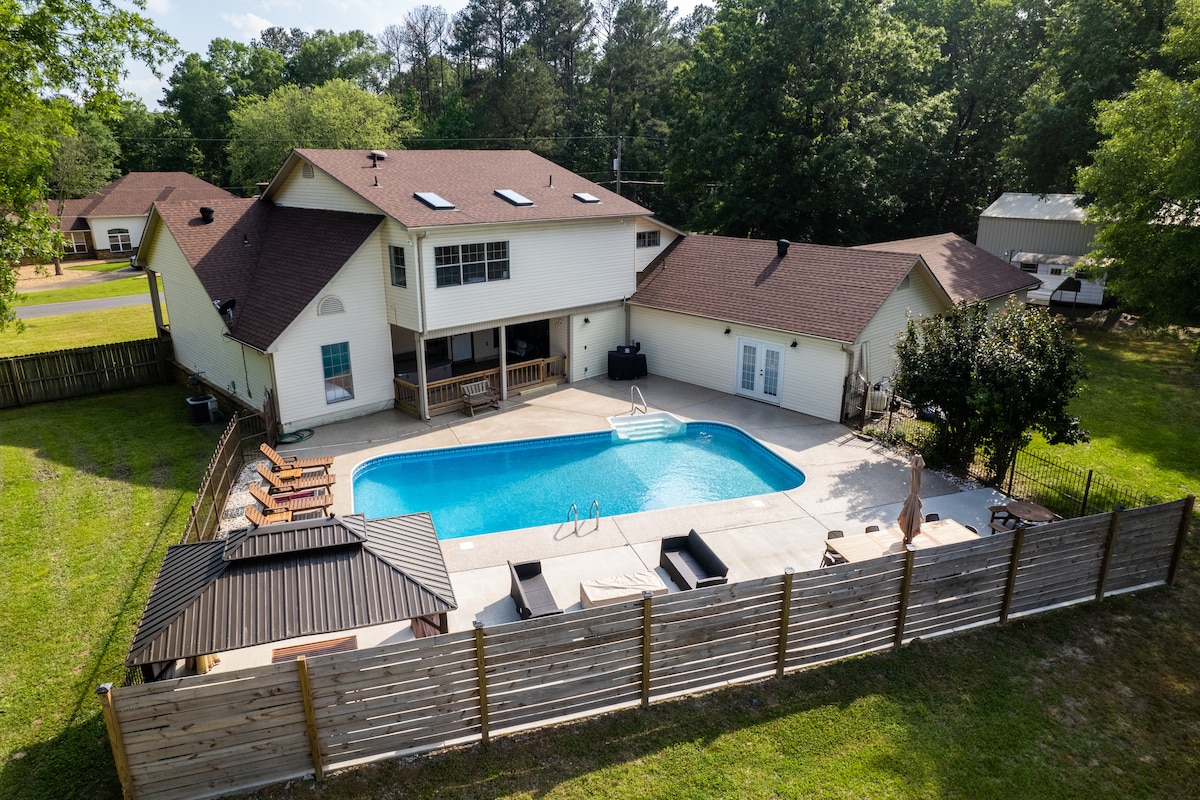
<point x="640" y="428"/>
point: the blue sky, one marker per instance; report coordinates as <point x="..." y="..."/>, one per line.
<point x="195" y="24"/>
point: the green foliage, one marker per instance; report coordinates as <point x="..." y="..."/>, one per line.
<point x="335" y="115"/>
<point x="1145" y="189"/>
<point x="86" y="157"/>
<point x="991" y="379"/>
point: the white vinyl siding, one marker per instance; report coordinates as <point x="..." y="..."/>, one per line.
<point x="696" y="350"/>
<point x="198" y="331"/>
<point x="134" y="226"/>
<point x="644" y="255"/>
<point x="403" y="302"/>
<point x="604" y="330"/>
<point x="551" y="266"/>
<point x="920" y="298"/>
<point x="319" y="191"/>
<point x="299" y="369"/>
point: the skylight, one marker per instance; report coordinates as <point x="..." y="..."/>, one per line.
<point x="584" y="197"/>
<point x="434" y="201"/>
<point x="514" y="197"/>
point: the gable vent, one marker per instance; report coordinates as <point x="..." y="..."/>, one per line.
<point x="434" y="201"/>
<point x="330" y="304"/>
<point x="307" y="170"/>
<point x="514" y="197"/>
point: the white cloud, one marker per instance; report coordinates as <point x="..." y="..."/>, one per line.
<point x="248" y="26"/>
<point x="158" y="8"/>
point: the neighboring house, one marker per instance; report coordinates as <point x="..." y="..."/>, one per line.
<point x="967" y="272"/>
<point x="784" y="324"/>
<point x="1045" y="235"/>
<point x="110" y="223"/>
<point x="308" y="578"/>
<point x="366" y="280"/>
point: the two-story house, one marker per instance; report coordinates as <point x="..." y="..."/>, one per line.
<point x="360" y="280"/>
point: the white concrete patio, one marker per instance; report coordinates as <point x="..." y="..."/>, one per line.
<point x="850" y="483"/>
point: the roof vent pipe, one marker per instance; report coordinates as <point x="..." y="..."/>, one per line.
<point x="262" y="188"/>
<point x="206" y="214"/>
<point x="782" y="247"/>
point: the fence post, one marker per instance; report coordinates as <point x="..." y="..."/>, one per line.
<point x="1110" y="544"/>
<point x="310" y="719"/>
<point x="481" y="674"/>
<point x="1087" y="490"/>
<point x="785" y="614"/>
<point x="1011" y="584"/>
<point x="114" y="739"/>
<point x="910" y="553"/>
<point x="1012" y="474"/>
<point x="647" y="598"/>
<point x="1185" y="520"/>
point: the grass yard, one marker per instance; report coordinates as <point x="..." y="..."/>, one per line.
<point x="65" y="331"/>
<point x="91" y="493"/>
<point x="104" y="266"/>
<point x="119" y="287"/>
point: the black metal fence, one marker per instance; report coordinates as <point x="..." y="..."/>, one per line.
<point x="1065" y="489"/>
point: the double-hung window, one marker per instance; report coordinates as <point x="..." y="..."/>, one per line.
<point x="648" y="238"/>
<point x="76" y="242"/>
<point x="399" y="271"/>
<point x="119" y="241"/>
<point x="339" y="379"/>
<point x="457" y="264"/>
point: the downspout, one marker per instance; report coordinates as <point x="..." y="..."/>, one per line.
<point x="422" y="379"/>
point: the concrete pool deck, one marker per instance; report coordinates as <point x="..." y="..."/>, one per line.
<point x="850" y="483"/>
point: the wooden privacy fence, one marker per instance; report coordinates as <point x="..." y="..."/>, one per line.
<point x="62" y="374"/>
<point x="219" y="733"/>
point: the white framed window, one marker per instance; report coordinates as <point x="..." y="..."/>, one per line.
<point x="339" y="379"/>
<point x="76" y="242"/>
<point x="399" y="271"/>
<point x="479" y="262"/>
<point x="648" y="238"/>
<point x="119" y="241"/>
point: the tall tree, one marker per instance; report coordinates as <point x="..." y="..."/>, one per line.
<point x="153" y="141"/>
<point x="805" y="119"/>
<point x="422" y="39"/>
<point x="337" y="115"/>
<point x="1144" y="185"/>
<point x="47" y="47"/>
<point x="325" y="56"/>
<point x="86" y="158"/>
<point x="201" y="99"/>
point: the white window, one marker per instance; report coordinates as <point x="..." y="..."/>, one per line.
<point x="339" y="380"/>
<point x="648" y="239"/>
<point x="119" y="241"/>
<point x="76" y="242"/>
<point x="399" y="272"/>
<point x="457" y="264"/>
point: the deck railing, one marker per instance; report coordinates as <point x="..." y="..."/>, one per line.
<point x="446" y="395"/>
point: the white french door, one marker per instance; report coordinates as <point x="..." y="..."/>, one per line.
<point x="759" y="370"/>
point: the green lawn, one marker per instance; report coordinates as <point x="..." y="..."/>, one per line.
<point x="84" y="329"/>
<point x="106" y="266"/>
<point x="91" y="493"/>
<point x="120" y="287"/>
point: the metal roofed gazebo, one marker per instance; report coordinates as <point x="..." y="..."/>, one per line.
<point x="278" y="582"/>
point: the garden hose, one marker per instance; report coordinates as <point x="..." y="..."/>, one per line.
<point x="295" y="436"/>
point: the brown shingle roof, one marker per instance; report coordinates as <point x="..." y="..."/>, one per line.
<point x="272" y="260"/>
<point x="277" y="582"/>
<point x="815" y="290"/>
<point x="967" y="272"/>
<point x="133" y="195"/>
<point x="468" y="179"/>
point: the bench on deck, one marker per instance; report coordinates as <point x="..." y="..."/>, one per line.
<point x="691" y="563"/>
<point x="477" y="394"/>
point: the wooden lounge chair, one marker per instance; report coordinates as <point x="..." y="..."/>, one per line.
<point x="530" y="591"/>
<point x="259" y="518"/>
<point x="690" y="562"/>
<point x="291" y="485"/>
<point x="292" y="502"/>
<point x="477" y="394"/>
<point x="287" y="463"/>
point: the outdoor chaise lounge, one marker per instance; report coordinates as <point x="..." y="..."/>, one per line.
<point x="295" y="484"/>
<point x="288" y="464"/>
<point x="691" y="563"/>
<point x="530" y="591"/>
<point x="292" y="502"/>
<point x="477" y="394"/>
<point x="260" y="518"/>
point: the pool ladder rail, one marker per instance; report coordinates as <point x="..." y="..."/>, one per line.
<point x="573" y="515"/>
<point x="633" y="403"/>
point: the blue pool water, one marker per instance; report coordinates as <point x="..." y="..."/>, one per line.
<point x="509" y="485"/>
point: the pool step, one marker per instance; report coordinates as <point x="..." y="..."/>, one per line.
<point x="658" y="425"/>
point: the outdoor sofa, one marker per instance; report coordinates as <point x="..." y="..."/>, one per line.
<point x="691" y="563"/>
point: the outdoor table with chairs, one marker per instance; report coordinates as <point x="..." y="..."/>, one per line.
<point x="1019" y="513"/>
<point x="889" y="541"/>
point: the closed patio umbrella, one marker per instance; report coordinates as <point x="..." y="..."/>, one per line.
<point x="910" y="513"/>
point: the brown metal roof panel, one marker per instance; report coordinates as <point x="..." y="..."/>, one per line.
<point x="187" y="570"/>
<point x="410" y="543"/>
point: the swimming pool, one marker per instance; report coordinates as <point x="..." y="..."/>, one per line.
<point x="508" y="485"/>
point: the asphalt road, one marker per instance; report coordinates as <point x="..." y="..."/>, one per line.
<point x="75" y="306"/>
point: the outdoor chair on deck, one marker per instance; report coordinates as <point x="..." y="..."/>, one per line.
<point x="293" y="503"/>
<point x="290" y="466"/>
<point x="1002" y="520"/>
<point x="295" y="484"/>
<point x="691" y="563"/>
<point x="259" y="518"/>
<point x="530" y="591"/>
<point x="478" y="394"/>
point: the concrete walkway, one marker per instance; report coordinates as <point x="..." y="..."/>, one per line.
<point x="850" y="483"/>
